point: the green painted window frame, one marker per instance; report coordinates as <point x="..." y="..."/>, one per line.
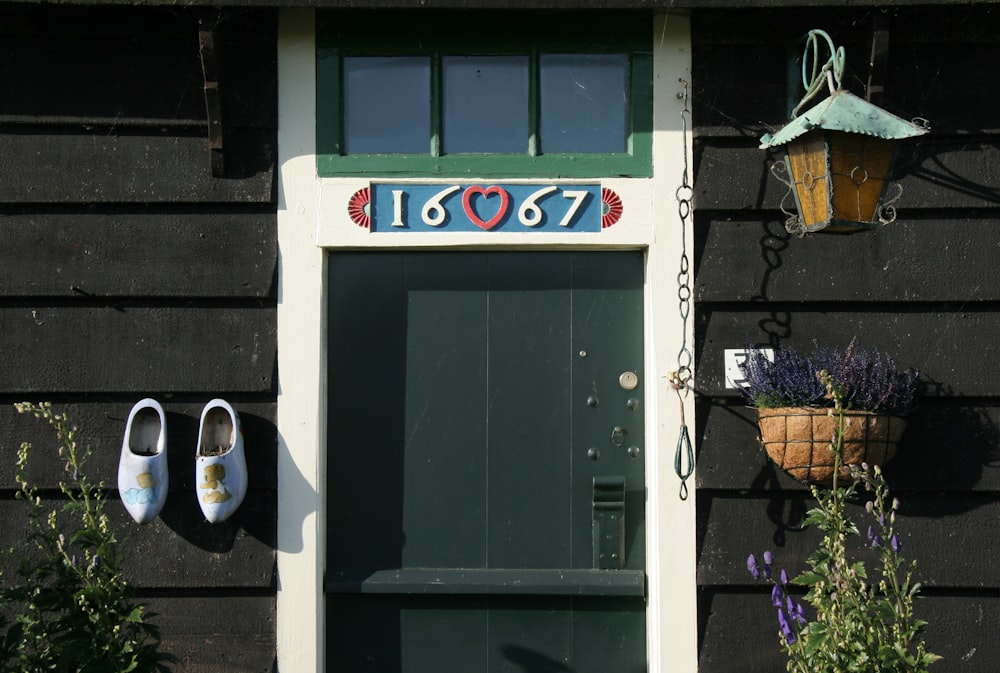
<point x="431" y="33"/>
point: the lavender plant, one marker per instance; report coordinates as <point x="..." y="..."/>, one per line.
<point x="867" y="379"/>
<point x="67" y="606"/>
<point x="859" y="623"/>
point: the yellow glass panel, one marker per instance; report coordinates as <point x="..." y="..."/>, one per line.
<point x="860" y="165"/>
<point x="808" y="169"/>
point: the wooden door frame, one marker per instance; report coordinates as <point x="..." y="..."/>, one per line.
<point x="311" y="219"/>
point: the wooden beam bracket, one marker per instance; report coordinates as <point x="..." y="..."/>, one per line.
<point x="208" y="23"/>
<point x="879" y="58"/>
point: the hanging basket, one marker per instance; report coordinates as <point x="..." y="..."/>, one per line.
<point x="798" y="439"/>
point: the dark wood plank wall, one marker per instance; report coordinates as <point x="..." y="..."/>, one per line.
<point x="924" y="289"/>
<point x="127" y="270"/>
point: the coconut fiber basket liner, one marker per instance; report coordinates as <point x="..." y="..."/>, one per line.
<point x="798" y="439"/>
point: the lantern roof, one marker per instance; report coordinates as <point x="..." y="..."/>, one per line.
<point x="843" y="111"/>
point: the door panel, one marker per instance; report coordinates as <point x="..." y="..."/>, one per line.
<point x="474" y="400"/>
<point x="444" y="401"/>
<point x="528" y="411"/>
<point x="420" y="634"/>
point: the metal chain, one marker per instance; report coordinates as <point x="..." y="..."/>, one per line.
<point x="681" y="378"/>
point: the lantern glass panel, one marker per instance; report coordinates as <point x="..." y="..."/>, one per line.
<point x="807" y="167"/>
<point x="860" y="166"/>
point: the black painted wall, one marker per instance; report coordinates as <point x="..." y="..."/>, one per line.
<point x="127" y="270"/>
<point x="925" y="289"/>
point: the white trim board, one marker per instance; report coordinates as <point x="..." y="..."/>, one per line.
<point x="313" y="217"/>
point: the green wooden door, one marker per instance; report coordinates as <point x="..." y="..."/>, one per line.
<point x="485" y="497"/>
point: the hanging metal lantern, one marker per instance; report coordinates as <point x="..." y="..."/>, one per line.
<point x="840" y="152"/>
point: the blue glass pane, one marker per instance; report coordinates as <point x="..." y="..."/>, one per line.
<point x="584" y="103"/>
<point x="485" y="104"/>
<point x="387" y="104"/>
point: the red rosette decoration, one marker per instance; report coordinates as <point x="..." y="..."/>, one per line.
<point x="611" y="207"/>
<point x="359" y="207"/>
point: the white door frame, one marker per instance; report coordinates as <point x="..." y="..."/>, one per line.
<point x="312" y="218"/>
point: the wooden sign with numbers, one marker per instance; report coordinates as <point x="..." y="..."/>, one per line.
<point x="485" y="207"/>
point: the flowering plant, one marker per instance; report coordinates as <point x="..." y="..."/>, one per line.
<point x="859" y="623"/>
<point x="866" y="379"/>
<point x="67" y="606"/>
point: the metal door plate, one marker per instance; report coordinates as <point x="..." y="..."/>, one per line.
<point x="628" y="380"/>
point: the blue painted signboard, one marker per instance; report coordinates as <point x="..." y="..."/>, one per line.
<point x="487" y="208"/>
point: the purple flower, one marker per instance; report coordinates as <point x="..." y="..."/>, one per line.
<point x="876" y="542"/>
<point x="784" y="578"/>
<point x="800" y="614"/>
<point x="768" y="561"/>
<point x="783" y="620"/>
<point x="776" y="596"/>
<point x="752" y="566"/>
<point x="894" y="543"/>
<point x="786" y="627"/>
<point x="867" y="379"/>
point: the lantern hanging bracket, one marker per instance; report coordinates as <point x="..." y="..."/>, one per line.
<point x="830" y="73"/>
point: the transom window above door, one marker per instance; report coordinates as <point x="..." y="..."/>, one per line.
<point x="534" y="95"/>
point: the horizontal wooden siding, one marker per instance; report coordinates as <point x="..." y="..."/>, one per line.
<point x="129" y="270"/>
<point x="924" y="289"/>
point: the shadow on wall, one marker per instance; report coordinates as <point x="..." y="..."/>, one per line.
<point x="530" y="661"/>
<point x="943" y="170"/>
<point x="773" y="241"/>
<point x="949" y="440"/>
<point x="777" y="324"/>
<point x="295" y="510"/>
<point x="787" y="509"/>
<point x="256" y="516"/>
<point x="948" y="446"/>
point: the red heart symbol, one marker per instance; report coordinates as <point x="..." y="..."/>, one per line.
<point x="485" y="193"/>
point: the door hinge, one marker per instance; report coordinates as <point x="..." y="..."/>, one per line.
<point x="609" y="523"/>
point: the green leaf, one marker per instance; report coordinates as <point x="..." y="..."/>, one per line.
<point x="807" y="579"/>
<point x="929" y="658"/>
<point x="815" y="637"/>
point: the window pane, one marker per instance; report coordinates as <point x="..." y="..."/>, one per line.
<point x="387" y="105"/>
<point x="485" y="104"/>
<point x="584" y="103"/>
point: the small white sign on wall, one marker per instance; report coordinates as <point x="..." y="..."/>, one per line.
<point x="733" y="357"/>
